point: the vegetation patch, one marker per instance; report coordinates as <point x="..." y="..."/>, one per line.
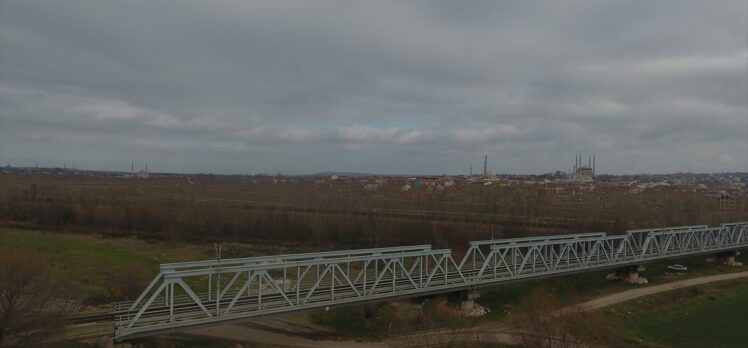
<point x="107" y="269"/>
<point x="502" y="300"/>
<point x="383" y="320"/>
<point x="370" y="321"/>
<point x="710" y="315"/>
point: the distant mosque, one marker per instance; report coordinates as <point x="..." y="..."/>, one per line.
<point x="581" y="172"/>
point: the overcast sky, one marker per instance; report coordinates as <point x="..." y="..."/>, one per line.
<point x="376" y="86"/>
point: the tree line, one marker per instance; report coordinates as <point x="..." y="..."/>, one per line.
<point x="334" y="216"/>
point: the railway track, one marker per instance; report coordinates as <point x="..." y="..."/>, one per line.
<point x="90" y="318"/>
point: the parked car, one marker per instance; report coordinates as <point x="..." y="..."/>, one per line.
<point x="677" y="268"/>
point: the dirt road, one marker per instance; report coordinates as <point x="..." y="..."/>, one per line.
<point x="293" y="333"/>
<point x="649" y="290"/>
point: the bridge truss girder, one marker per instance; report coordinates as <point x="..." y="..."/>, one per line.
<point x="199" y="293"/>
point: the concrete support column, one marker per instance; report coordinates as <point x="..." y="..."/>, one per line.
<point x="463" y="300"/>
<point x="727" y="258"/>
<point x="630" y="274"/>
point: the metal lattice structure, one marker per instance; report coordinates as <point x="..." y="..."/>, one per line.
<point x="193" y="294"/>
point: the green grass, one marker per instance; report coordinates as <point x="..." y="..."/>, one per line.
<point x="712" y="315"/>
<point x="357" y="321"/>
<point x="89" y="257"/>
<point x="99" y="265"/>
<point x="583" y="286"/>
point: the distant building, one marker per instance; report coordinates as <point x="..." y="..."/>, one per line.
<point x="143" y="174"/>
<point x="726" y="202"/>
<point x="581" y="172"/>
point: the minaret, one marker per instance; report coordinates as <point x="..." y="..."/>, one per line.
<point x="485" y="165"/>
<point x="593" y="164"/>
<point x="471" y="170"/>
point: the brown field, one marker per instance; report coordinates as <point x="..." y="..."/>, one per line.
<point x="289" y="211"/>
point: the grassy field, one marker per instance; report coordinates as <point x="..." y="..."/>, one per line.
<point x="101" y="265"/>
<point x="712" y="315"/>
<point x="588" y="285"/>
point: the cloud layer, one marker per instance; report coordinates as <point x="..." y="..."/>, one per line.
<point x="380" y="86"/>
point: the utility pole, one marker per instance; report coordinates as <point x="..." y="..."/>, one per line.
<point x="218" y="276"/>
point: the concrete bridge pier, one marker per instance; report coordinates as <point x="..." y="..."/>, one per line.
<point x="630" y="274"/>
<point x="727" y="258"/>
<point x="463" y="300"/>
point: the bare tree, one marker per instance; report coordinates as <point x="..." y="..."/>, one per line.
<point x="32" y="302"/>
<point x="543" y="321"/>
<point x="448" y="337"/>
<point x="318" y="226"/>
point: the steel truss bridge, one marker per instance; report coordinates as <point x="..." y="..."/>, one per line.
<point x="200" y="293"/>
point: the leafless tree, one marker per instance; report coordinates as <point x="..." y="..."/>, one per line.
<point x="32" y="302"/>
<point x="543" y="321"/>
<point x="448" y="337"/>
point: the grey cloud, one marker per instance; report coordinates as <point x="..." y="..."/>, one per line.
<point x="385" y="86"/>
